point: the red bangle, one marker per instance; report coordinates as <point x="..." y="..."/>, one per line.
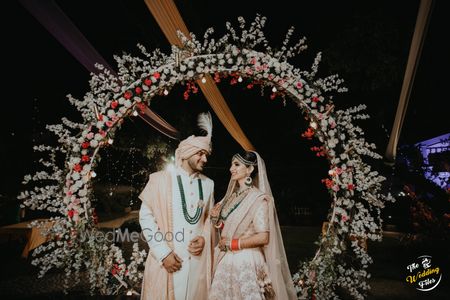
<point x="234" y="244"/>
<point x="220" y="225"/>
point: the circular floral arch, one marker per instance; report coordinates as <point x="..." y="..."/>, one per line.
<point x="341" y="260"/>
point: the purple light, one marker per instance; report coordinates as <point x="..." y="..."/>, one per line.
<point x="436" y="145"/>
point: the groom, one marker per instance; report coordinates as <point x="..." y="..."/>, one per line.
<point x="173" y="214"/>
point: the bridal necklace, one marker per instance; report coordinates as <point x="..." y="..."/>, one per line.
<point x="198" y="213"/>
<point x="225" y="213"/>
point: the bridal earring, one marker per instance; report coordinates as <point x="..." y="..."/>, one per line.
<point x="248" y="181"/>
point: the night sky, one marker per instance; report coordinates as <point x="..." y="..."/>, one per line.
<point x="365" y="42"/>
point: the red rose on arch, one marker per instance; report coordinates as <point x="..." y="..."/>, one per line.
<point x="127" y="95"/>
<point x="77" y="168"/>
<point x="138" y="90"/>
<point x="156" y="75"/>
<point x="85" y="158"/>
<point x="147" y="81"/>
<point x="309" y="133"/>
<point x="85" y="145"/>
<point x="114" y="104"/>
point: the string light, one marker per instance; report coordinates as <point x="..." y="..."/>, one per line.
<point x="110" y="141"/>
<point x="135" y="113"/>
<point x="93" y="174"/>
<point x="166" y="92"/>
<point x="274" y="89"/>
<point x="240" y="79"/>
<point x="313" y="125"/>
<point x="203" y="80"/>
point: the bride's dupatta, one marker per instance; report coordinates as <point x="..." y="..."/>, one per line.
<point x="274" y="252"/>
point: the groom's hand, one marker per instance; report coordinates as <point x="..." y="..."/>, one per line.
<point x="196" y="245"/>
<point x="172" y="262"/>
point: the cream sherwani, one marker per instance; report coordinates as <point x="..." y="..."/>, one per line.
<point x="164" y="236"/>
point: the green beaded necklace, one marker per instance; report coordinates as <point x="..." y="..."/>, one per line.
<point x="198" y="213"/>
<point x="224" y="218"/>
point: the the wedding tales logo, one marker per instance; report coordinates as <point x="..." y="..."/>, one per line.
<point x="423" y="274"/>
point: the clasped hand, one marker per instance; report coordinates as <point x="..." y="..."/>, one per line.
<point x="224" y="244"/>
<point x="196" y="245"/>
<point x="172" y="262"/>
<point x="215" y="211"/>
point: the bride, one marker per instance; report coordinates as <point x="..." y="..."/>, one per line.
<point x="249" y="260"/>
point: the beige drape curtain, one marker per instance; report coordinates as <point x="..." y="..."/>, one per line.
<point x="169" y="19"/>
<point x="411" y="67"/>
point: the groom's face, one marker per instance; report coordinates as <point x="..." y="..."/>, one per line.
<point x="198" y="160"/>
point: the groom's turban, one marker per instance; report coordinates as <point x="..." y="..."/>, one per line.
<point x="193" y="144"/>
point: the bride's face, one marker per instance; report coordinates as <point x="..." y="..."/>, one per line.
<point x="238" y="170"/>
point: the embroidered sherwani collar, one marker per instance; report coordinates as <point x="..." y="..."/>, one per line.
<point x="183" y="172"/>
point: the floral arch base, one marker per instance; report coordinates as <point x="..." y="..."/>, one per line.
<point x="242" y="55"/>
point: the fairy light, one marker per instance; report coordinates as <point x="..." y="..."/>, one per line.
<point x="274" y="89"/>
<point x="110" y="141"/>
<point x="203" y="80"/>
<point x="166" y="92"/>
<point x="240" y="79"/>
<point x="135" y="113"/>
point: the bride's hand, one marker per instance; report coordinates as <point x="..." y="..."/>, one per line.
<point x="215" y="211"/>
<point x="223" y="244"/>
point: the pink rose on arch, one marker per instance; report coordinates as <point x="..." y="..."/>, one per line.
<point x="90" y="135"/>
<point x="299" y="85"/>
<point x="102" y="133"/>
<point x="109" y="123"/>
<point x="156" y="75"/>
<point x="335" y="188"/>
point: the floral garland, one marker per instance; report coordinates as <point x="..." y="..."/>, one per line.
<point x="341" y="260"/>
